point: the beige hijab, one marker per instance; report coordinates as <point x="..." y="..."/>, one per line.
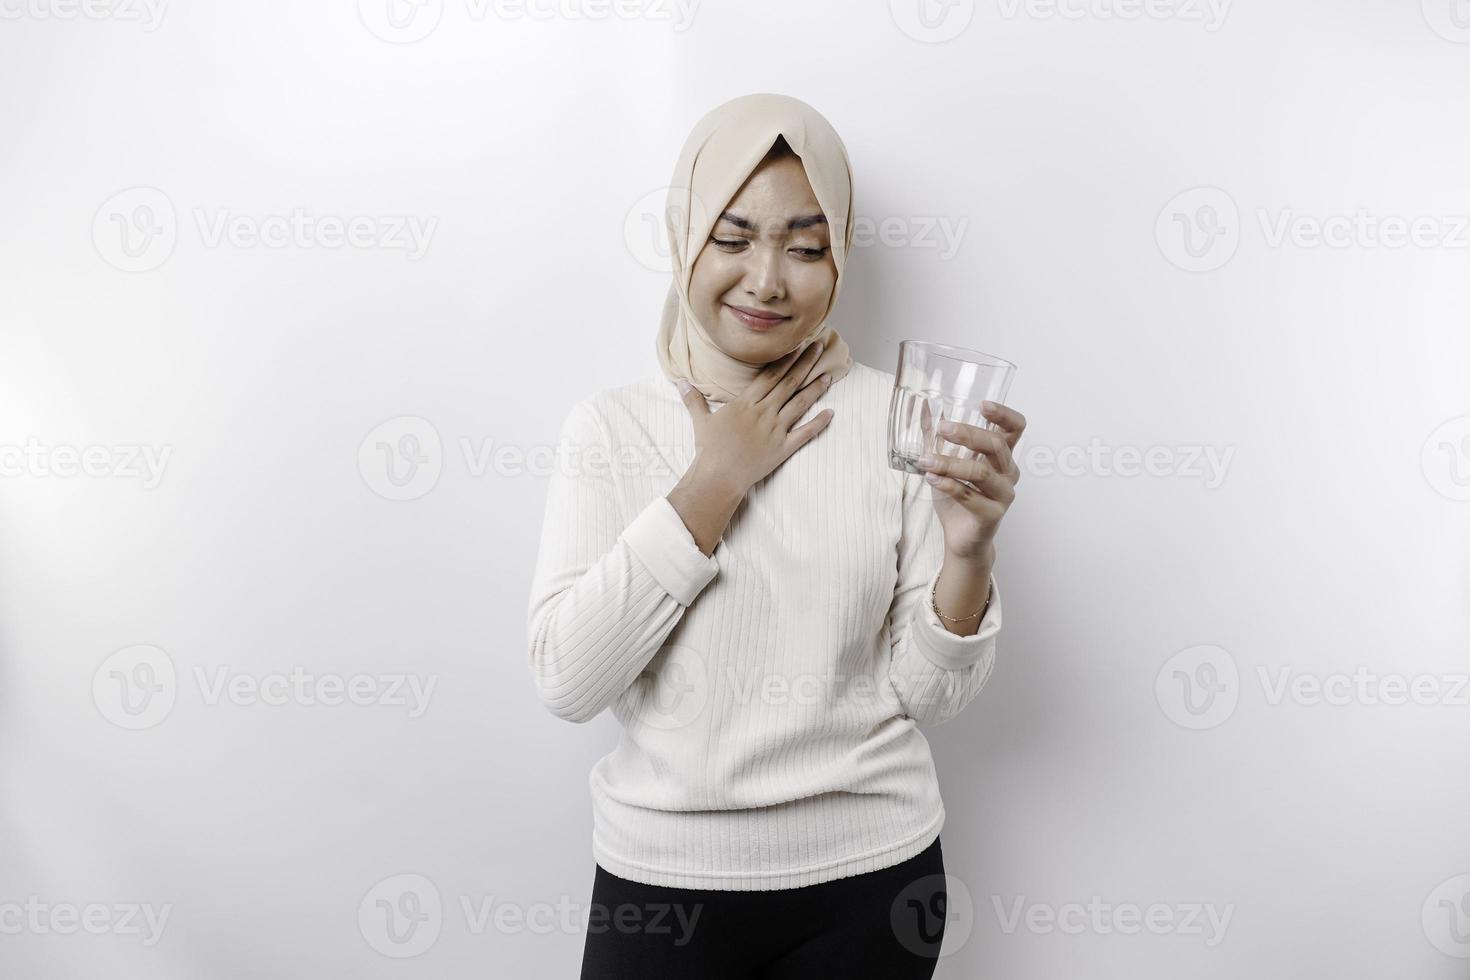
<point x="721" y="152"/>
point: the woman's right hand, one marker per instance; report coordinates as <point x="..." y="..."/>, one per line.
<point x="749" y="437"/>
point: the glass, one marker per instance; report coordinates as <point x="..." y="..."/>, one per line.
<point x="934" y="383"/>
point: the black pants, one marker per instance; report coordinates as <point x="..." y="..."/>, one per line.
<point x="887" y="923"/>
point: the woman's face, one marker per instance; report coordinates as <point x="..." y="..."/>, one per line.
<point x="770" y="252"/>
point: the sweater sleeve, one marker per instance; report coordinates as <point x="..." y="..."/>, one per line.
<point x="935" y="673"/>
<point x="605" y="593"/>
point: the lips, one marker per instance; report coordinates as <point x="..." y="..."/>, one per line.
<point x="756" y="319"/>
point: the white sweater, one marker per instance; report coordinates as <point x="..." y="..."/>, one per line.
<point x="770" y="694"/>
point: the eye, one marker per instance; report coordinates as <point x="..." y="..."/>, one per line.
<point x="737" y="244"/>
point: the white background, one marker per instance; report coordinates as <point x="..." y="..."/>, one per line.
<point x="1059" y="138"/>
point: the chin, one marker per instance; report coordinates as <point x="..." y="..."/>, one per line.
<point x="757" y="349"/>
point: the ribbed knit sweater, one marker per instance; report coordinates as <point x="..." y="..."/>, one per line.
<point x="769" y="694"/>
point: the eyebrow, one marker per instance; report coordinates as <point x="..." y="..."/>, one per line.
<point x="795" y="224"/>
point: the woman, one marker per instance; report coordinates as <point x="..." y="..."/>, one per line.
<point x="729" y="563"/>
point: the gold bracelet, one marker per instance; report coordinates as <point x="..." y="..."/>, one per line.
<point x="935" y="605"/>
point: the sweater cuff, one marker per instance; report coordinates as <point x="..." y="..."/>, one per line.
<point x="949" y="650"/>
<point x="661" y="541"/>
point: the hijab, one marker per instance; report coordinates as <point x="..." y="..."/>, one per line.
<point x="724" y="148"/>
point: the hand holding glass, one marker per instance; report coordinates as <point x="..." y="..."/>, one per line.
<point x="935" y="383"/>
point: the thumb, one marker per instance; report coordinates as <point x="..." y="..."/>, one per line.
<point x="693" y="398"/>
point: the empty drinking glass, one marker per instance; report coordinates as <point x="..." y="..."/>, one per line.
<point x="934" y="383"/>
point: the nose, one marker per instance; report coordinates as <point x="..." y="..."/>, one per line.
<point x="763" y="278"/>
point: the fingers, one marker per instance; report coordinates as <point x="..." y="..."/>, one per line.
<point x="794" y="376"/>
<point x="692" y="397"/>
<point x="985" y="480"/>
<point x="1012" y="423"/>
<point x="926" y="424"/>
<point x="988" y="509"/>
<point x="803" y="434"/>
<point x="984" y="486"/>
<point x="804" y="399"/>
<point x="991" y="445"/>
<point x="771" y="374"/>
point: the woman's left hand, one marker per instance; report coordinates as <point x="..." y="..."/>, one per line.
<point x="972" y="495"/>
